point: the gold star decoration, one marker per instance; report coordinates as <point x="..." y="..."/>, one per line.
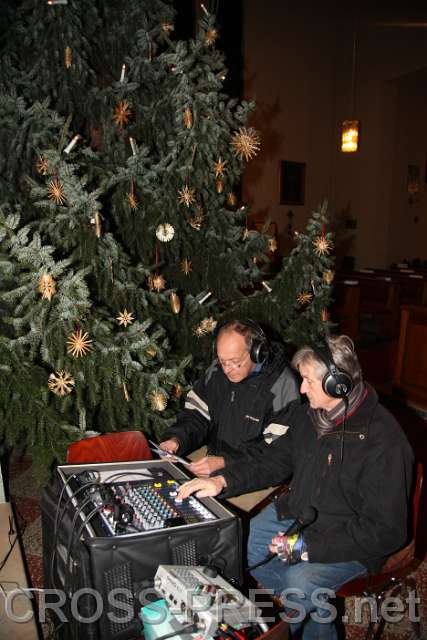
<point x="186" y="266"/>
<point x="188" y="118"/>
<point x="79" y="344"/>
<point x="132" y="200"/>
<point x="272" y="245"/>
<point x="61" y="383"/>
<point x="157" y="282"/>
<point x="68" y="57"/>
<point x="219" y="168"/>
<point x="158" y="401"/>
<point x="56" y="192"/>
<point x="47" y="286"/>
<point x="304" y="298"/>
<point x="207" y="325"/>
<point x="322" y="246"/>
<point x="168" y="27"/>
<point x="42" y="165"/>
<point x="246" y="143"/>
<point x="125" y="317"/>
<point x="211" y="36"/>
<point x="165" y="232"/>
<point x="186" y="196"/>
<point x="122" y="113"/>
<point x="328" y="276"/>
<point x="231" y="199"/>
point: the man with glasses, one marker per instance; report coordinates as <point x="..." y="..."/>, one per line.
<point x="229" y="407"/>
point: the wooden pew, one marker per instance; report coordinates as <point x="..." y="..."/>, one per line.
<point x="345" y="307"/>
<point x="410" y="374"/>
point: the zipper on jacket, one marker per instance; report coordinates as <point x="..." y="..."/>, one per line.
<point x="233" y="393"/>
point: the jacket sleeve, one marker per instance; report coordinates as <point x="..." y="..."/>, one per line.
<point x="262" y="465"/>
<point x="379" y="528"/>
<point x="194" y="422"/>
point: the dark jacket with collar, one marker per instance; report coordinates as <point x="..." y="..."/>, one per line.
<point x="361" y="501"/>
<point x="229" y="416"/>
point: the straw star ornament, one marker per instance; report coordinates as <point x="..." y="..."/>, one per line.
<point x="61" y="383"/>
<point x="125" y="317"/>
<point x="186" y="196"/>
<point x="79" y="344"/>
<point x="56" y="192"/>
<point x="122" y="113"/>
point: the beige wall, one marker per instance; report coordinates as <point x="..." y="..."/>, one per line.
<point x="298" y="69"/>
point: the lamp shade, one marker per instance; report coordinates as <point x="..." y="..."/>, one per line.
<point x="350" y="136"/>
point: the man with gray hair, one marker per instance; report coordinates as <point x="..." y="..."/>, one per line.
<point x="351" y="469"/>
<point x="230" y="405"/>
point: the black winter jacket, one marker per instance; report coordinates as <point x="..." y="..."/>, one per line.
<point x="229" y="416"/>
<point x="361" y="502"/>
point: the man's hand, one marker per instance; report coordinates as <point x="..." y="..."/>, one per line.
<point x="202" y="487"/>
<point x="170" y="446"/>
<point x="207" y="465"/>
<point x="290" y="549"/>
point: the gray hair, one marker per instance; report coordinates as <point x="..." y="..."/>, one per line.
<point x="343" y="354"/>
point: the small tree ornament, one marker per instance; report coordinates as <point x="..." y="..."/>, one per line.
<point x="157" y="282"/>
<point x="322" y="246"/>
<point x="56" y="192"/>
<point x="79" y="344"/>
<point x="304" y="298"/>
<point x="211" y="36"/>
<point x="188" y="118"/>
<point x="246" y="143"/>
<point x="231" y="199"/>
<point x="122" y="113"/>
<point x="42" y="166"/>
<point x="47" y="286"/>
<point x="165" y="232"/>
<point x="68" y="57"/>
<point x="175" y="302"/>
<point x="158" y="401"/>
<point x="125" y="317"/>
<point x="186" y="196"/>
<point x="61" y="383"/>
<point x="186" y="266"/>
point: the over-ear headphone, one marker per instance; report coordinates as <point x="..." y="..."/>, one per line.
<point x="260" y="347"/>
<point x="336" y="383"/>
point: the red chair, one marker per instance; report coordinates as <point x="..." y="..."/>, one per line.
<point x="120" y="446"/>
<point x="395" y="578"/>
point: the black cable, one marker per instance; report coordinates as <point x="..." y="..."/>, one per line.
<point x="188" y="628"/>
<point x="6" y="557"/>
<point x="345" y="400"/>
<point x="59" y="518"/>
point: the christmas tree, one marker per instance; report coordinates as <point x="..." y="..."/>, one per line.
<point x="122" y="242"/>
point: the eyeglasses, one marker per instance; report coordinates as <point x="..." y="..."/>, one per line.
<point x="234" y="363"/>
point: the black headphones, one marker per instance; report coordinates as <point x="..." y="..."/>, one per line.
<point x="259" y="350"/>
<point x="336" y="383"/>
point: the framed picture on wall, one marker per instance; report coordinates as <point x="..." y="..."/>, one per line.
<point x="292" y="182"/>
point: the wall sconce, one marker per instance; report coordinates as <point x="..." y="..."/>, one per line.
<point x="350" y="136"/>
<point x="350" y="128"/>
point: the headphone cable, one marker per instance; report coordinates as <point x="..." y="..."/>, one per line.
<point x="345" y="400"/>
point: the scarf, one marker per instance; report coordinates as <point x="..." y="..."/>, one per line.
<point x="325" y="421"/>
